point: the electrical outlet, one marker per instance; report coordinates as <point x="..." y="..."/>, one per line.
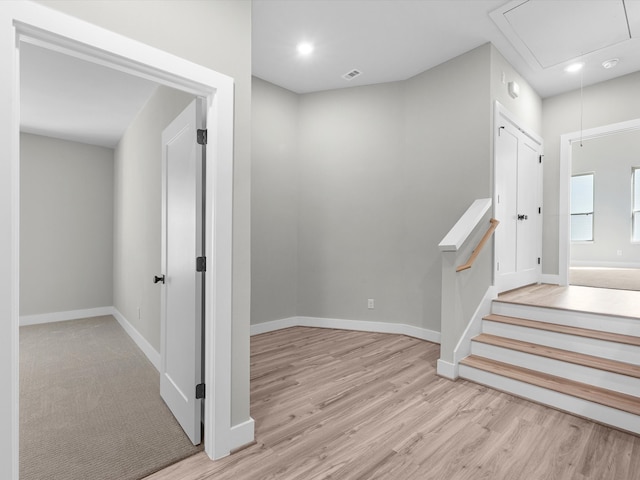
<point x="370" y="304"/>
<point x="619" y="253"/>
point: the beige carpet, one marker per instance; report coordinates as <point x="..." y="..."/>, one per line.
<point x="617" y="278"/>
<point x="90" y="407"/>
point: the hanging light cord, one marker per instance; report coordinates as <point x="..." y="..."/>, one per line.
<point x="581" y="103"/>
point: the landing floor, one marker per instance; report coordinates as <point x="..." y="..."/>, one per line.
<point x="605" y="301"/>
<point x="335" y="404"/>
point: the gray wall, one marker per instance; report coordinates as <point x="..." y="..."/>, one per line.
<point x="66" y="225"/>
<point x="383" y="172"/>
<point x="274" y="205"/>
<point x="448" y="142"/>
<point x="527" y="106"/>
<point x="604" y="103"/>
<point x="352" y="228"/>
<point x="138" y="217"/>
<point x="216" y="35"/>
<point x="611" y="159"/>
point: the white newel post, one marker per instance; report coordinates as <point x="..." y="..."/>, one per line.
<point x="453" y="247"/>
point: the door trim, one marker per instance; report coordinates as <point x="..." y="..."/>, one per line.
<point x="500" y="115"/>
<point x="564" y="214"/>
<point x="30" y="22"/>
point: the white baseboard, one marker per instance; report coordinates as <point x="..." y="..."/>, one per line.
<point x="339" y="324"/>
<point x="140" y="341"/>
<point x="274" y="325"/>
<point x="64" y="316"/>
<point x="152" y="354"/>
<point x="447" y="370"/>
<point x="550" y="279"/>
<point x="242" y="434"/>
<point x="603" y="264"/>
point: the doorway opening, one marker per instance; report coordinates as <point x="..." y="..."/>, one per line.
<point x="39" y="25"/>
<point x="85" y="211"/>
<point x="596" y="237"/>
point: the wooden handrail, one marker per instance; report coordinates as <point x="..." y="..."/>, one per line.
<point x="476" y="251"/>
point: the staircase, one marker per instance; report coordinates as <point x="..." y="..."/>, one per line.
<point x="583" y="363"/>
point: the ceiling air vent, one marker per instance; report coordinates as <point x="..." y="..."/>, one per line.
<point x="351" y="75"/>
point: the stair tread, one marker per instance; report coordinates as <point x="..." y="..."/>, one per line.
<point x="600" y="363"/>
<point x="603" y="396"/>
<point x="554" y="327"/>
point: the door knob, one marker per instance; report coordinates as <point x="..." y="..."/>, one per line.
<point x="522" y="217"/>
<point x="157" y="279"/>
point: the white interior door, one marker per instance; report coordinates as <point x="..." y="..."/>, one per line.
<point x="518" y="207"/>
<point x="182" y="291"/>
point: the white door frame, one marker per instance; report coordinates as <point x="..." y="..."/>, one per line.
<point x="501" y="115"/>
<point x="31" y="22"/>
<point x="564" y="227"/>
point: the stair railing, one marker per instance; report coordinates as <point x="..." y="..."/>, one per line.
<point x="476" y="251"/>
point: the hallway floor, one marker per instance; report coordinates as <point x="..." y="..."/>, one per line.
<point x="604" y="301"/>
<point x="336" y="404"/>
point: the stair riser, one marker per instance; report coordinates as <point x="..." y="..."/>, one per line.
<point x="600" y="413"/>
<point x="579" y="373"/>
<point x="622" y="325"/>
<point x="589" y="346"/>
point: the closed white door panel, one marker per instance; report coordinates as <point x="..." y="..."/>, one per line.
<point x="518" y="200"/>
<point x="527" y="236"/>
<point x="506" y="205"/>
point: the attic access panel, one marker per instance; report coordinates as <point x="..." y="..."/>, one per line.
<point x="557" y="31"/>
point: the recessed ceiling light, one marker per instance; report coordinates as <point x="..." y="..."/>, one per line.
<point x="305" y="48"/>
<point x="610" y="63"/>
<point x="574" y="67"/>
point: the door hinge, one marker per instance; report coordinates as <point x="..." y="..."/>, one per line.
<point x="199" y="391"/>
<point x="201" y="264"/>
<point x="538" y="260"/>
<point x="540" y="158"/>
<point x="202" y="137"/>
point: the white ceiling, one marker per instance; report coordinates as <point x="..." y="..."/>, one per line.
<point x="72" y="99"/>
<point x="386" y="40"/>
<point x="395" y="39"/>
<point x="568" y="33"/>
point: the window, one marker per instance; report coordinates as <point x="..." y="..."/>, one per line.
<point x="582" y="208"/>
<point x="635" y="209"/>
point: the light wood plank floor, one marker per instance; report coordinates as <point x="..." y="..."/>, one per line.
<point x="350" y="405"/>
<point x="605" y="301"/>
